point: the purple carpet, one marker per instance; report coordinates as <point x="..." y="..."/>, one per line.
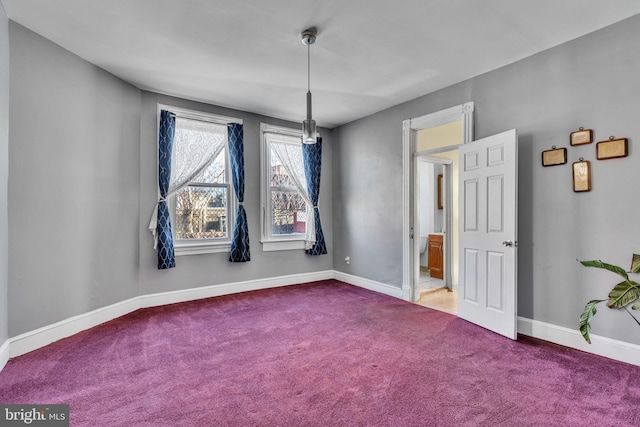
<point x="317" y="354"/>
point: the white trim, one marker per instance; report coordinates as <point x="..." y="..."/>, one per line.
<point x="467" y="122"/>
<point x="270" y="242"/>
<point x="200" y="247"/>
<point x="445" y="116"/>
<point x="46" y="335"/>
<point x="283" y="245"/>
<point x="407" y="159"/>
<point x="602" y="346"/>
<point x="462" y="112"/>
<point x="29" y="341"/>
<point x="41" y="337"/>
<point x="427" y="153"/>
<point x="4" y="353"/>
<point x="199" y="115"/>
<point x="372" y="285"/>
<point x="173" y="297"/>
<point x="280" y="130"/>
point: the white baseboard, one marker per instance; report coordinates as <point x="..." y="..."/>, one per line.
<point x="602" y="346"/>
<point x="172" y="297"/>
<point x="29" y="341"/>
<point x="41" y="337"/>
<point x="369" y="284"/>
<point x="4" y="354"/>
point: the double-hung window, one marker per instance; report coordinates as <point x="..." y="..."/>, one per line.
<point x="201" y="198"/>
<point x="284" y="204"/>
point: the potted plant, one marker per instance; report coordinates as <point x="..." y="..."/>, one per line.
<point x="621" y="296"/>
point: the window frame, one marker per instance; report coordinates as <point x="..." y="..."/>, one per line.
<point x="204" y="246"/>
<point x="269" y="241"/>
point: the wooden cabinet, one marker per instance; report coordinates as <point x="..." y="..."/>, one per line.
<point x="436" y="255"/>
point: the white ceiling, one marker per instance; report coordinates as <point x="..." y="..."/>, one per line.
<point x="370" y="54"/>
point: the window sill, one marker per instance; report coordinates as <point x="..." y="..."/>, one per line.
<point x="282" y="245"/>
<point x="198" y="248"/>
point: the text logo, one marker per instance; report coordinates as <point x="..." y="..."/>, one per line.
<point x="34" y="415"/>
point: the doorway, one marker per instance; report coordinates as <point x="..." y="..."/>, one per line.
<point x="436" y="226"/>
<point x="488" y="205"/>
<point x="412" y="150"/>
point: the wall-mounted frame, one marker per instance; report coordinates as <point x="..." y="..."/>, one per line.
<point x="554" y="157"/>
<point x="580" y="137"/>
<point x="612" y="149"/>
<point x="635" y="263"/>
<point x="582" y="176"/>
<point x="440" y="191"/>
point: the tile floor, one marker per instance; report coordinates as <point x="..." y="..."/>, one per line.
<point x="434" y="295"/>
<point x="440" y="299"/>
<point x="428" y="283"/>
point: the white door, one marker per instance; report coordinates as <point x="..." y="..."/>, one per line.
<point x="488" y="233"/>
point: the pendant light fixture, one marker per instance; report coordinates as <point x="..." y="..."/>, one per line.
<point x="309" y="125"/>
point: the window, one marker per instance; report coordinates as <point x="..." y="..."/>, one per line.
<point x="201" y="207"/>
<point x="201" y="198"/>
<point x="284" y="205"/>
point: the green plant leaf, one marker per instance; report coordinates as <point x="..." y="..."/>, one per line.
<point x="635" y="263"/>
<point x="636" y="306"/>
<point x="586" y="316"/>
<point x="613" y="268"/>
<point x="623" y="293"/>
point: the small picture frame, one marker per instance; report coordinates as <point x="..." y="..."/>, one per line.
<point x="580" y="137"/>
<point x="582" y="176"/>
<point x="635" y="263"/>
<point x="612" y="149"/>
<point x="554" y="157"/>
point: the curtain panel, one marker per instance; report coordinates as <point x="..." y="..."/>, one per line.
<point x="312" y="157"/>
<point x="291" y="158"/>
<point x="166" y="258"/>
<point x="240" y="238"/>
<point x="186" y="159"/>
<point x="194" y="150"/>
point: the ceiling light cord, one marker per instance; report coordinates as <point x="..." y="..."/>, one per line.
<point x="309" y="115"/>
<point x="308" y="68"/>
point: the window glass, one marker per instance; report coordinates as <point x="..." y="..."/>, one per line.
<point x="284" y="198"/>
<point x="288" y="208"/>
<point x="200" y="164"/>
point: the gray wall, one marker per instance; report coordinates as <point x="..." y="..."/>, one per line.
<point x="82" y="182"/>
<point x="367" y="197"/>
<point x="590" y="82"/>
<point x="4" y="172"/>
<point x="212" y="269"/>
<point x="73" y="185"/>
<point x="83" y="185"/>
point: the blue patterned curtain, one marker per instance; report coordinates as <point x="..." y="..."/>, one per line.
<point x="166" y="257"/>
<point x="240" y="238"/>
<point x="312" y="156"/>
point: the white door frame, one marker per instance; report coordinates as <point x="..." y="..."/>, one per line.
<point x="447" y="193"/>
<point x="410" y="244"/>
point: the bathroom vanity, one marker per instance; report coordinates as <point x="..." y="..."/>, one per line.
<point x="435" y="252"/>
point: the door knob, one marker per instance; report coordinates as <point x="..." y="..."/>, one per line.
<point x="509" y="243"/>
